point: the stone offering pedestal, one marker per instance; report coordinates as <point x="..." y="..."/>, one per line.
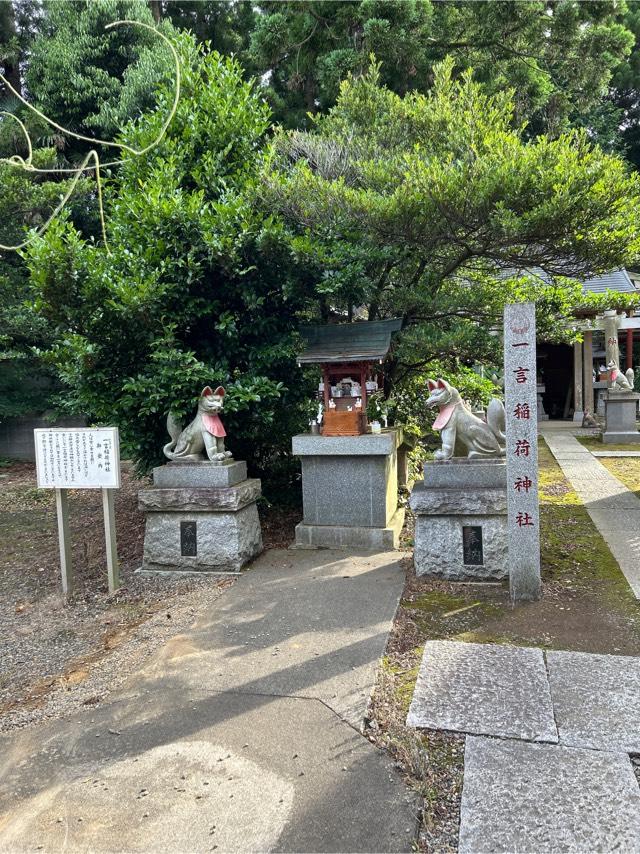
<point x="620" y="413"/>
<point x="461" y="520"/>
<point x="350" y="491"/>
<point x="201" y="517"/>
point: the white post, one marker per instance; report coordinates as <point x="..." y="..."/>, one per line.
<point x="578" y="405"/>
<point x="64" y="541"/>
<point x="113" y="570"/>
<point x="587" y="371"/>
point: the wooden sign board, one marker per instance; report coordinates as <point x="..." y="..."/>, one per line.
<point x="520" y="403"/>
<point x="87" y="458"/>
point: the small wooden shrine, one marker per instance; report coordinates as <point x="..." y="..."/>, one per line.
<point x="349" y="355"/>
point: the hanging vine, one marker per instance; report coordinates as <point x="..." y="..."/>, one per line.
<point x="91" y="161"/>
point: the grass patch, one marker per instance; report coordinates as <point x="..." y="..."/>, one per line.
<point x="586" y="605"/>
<point x="626" y="469"/>
<point x="595" y="443"/>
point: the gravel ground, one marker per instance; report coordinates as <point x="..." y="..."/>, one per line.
<point x="57" y="656"/>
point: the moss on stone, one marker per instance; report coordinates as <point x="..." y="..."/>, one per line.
<point x="587" y="602"/>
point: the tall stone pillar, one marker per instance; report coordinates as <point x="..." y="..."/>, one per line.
<point x="578" y="411"/>
<point x="629" y="348"/>
<point x="587" y="371"/>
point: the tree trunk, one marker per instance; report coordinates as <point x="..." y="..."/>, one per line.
<point x="310" y="94"/>
<point x="156" y="10"/>
<point x="11" y="64"/>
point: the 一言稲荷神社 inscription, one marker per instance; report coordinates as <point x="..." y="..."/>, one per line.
<point x="86" y="458"/>
<point x="520" y="393"/>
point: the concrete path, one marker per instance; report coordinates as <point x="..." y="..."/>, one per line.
<point x="578" y="792"/>
<point x="614" y="509"/>
<point x="242" y="735"/>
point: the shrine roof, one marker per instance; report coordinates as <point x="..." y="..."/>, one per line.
<point x="362" y="341"/>
<point x="615" y="280"/>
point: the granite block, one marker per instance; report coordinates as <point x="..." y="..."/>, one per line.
<point x="546" y="798"/>
<point x="352" y="537"/>
<point x="370" y="444"/>
<point x="466" y="474"/>
<point x="205" y="474"/>
<point x="439" y="552"/>
<point x="596" y="699"/>
<point x="487" y="689"/>
<point x="200" y="499"/>
<point x="449" y="502"/>
<point x="359" y="491"/>
<point x="225" y="542"/>
<point x="621" y="414"/>
<point x="611" y="437"/>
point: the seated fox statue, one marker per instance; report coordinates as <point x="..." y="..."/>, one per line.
<point x="463" y="433"/>
<point x="618" y="380"/>
<point x="205" y="433"/>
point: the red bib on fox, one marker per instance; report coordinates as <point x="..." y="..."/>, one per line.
<point x="214" y="425"/>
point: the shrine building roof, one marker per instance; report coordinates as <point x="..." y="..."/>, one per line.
<point x="362" y="341"/>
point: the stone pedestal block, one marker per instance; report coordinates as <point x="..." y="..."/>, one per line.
<point x="349" y="491"/>
<point x="621" y="413"/>
<point x="200" y="474"/>
<point x="461" y="520"/>
<point x="201" y="517"/>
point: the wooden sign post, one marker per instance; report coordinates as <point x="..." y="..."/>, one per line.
<point x="87" y="458"/>
<point x="520" y="403"/>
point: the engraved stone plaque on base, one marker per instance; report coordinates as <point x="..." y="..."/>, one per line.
<point x="460" y="514"/>
<point x="200" y="518"/>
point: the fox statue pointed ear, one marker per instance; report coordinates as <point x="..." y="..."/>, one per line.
<point x="431" y="385"/>
<point x="441" y="383"/>
<point x="219" y="391"/>
<point x="206" y="391"/>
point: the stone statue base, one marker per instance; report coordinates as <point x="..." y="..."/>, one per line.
<point x="349" y="491"/>
<point x="621" y="411"/>
<point x="201" y="517"/>
<point x="461" y="520"/>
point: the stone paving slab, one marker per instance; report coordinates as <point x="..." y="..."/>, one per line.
<point x="596" y="700"/>
<point x="487" y="689"/>
<point x="520" y="797"/>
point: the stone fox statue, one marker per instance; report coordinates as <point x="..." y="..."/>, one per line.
<point x="620" y="381"/>
<point x="204" y="433"/>
<point x="463" y="433"/>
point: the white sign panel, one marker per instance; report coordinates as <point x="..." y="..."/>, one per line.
<point x="87" y="458"/>
<point x="520" y="403"/>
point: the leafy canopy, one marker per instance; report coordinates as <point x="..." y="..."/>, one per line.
<point x="196" y="290"/>
<point x="412" y="205"/>
<point x="558" y="56"/>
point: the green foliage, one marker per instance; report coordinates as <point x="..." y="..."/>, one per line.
<point x="224" y="24"/>
<point x="197" y="289"/>
<point x="412" y="206"/>
<point x="558" y="56"/>
<point x="27" y="201"/>
<point x="91" y="80"/>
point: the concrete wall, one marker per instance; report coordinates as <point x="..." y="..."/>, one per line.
<point x="16" y="435"/>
